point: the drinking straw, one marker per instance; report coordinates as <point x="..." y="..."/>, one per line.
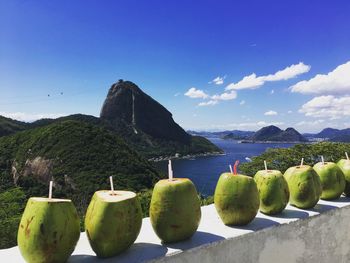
<point x="111" y="182"/>
<point x="50" y="190"/>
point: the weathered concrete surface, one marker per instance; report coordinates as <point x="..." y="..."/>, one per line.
<point x="318" y="235"/>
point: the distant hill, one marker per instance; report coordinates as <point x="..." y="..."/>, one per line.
<point x="269" y="133"/>
<point x="9" y="126"/>
<point x="147" y="126"/>
<point x="238" y="135"/>
<point x="330" y="134"/>
<point x="335" y="134"/>
<point x="273" y="133"/>
<point x="231" y="134"/>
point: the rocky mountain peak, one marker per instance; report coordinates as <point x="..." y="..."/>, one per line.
<point x="126" y="103"/>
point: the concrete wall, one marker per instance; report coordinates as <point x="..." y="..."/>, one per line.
<point x="321" y="238"/>
<point x="318" y="235"/>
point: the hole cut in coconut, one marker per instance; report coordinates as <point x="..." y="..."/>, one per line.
<point x="115" y="196"/>
<point x="302" y="167"/>
<point x="50" y="200"/>
<point x="271" y="171"/>
<point x="173" y="181"/>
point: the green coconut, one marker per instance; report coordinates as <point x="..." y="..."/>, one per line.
<point x="236" y="199"/>
<point x="332" y="180"/>
<point x="344" y="165"/>
<point x="113" y="222"/>
<point x="273" y="191"/>
<point x="175" y="210"/>
<point x="49" y="230"/>
<point x="304" y="186"/>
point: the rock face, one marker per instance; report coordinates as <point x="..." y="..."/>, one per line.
<point x="39" y="167"/>
<point x="127" y="103"/>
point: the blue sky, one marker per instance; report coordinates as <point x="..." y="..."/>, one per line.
<point x="74" y="50"/>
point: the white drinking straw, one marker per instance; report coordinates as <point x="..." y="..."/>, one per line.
<point x="231" y="168"/>
<point x="170" y="171"/>
<point x="347" y="156"/>
<point x="322" y="159"/>
<point x="50" y="190"/>
<point x="302" y="162"/>
<point x="111" y="182"/>
<point x="265" y="166"/>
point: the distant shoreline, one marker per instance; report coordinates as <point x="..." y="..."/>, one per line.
<point x="188" y="156"/>
<point x="291" y="142"/>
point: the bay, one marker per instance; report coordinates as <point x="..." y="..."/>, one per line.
<point x="205" y="171"/>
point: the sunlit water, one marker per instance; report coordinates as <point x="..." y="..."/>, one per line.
<point x="205" y="171"/>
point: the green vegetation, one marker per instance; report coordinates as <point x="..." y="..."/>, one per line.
<point x="9" y="126"/>
<point x="79" y="155"/>
<point x="281" y="159"/>
<point x="12" y="203"/>
<point x="151" y="147"/>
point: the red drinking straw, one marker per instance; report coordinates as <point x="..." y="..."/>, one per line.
<point x="235" y="167"/>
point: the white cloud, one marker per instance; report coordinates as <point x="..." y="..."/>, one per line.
<point x="334" y="82"/>
<point x="271" y="113"/>
<point x="272" y="92"/>
<point x="290" y="111"/>
<point x="242" y="102"/>
<point x="225" y="96"/>
<point x="196" y="94"/>
<point x="253" y="81"/>
<point x="218" y="80"/>
<point x="208" y="103"/>
<point x="327" y="107"/>
<point x="310" y="123"/>
<point x="177" y="94"/>
<point x="30" y="117"/>
<point x="289" y="72"/>
<point x="248" y="82"/>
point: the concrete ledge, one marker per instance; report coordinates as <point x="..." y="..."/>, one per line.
<point x="318" y="235"/>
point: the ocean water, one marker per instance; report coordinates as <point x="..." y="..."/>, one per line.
<point x="205" y="171"/>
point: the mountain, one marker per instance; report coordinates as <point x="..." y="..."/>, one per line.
<point x="148" y="126"/>
<point x="9" y="126"/>
<point x="269" y="133"/>
<point x="330" y="134"/>
<point x="327" y="133"/>
<point x="273" y="133"/>
<point x="335" y="134"/>
<point x="238" y="135"/>
<point x="233" y="134"/>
